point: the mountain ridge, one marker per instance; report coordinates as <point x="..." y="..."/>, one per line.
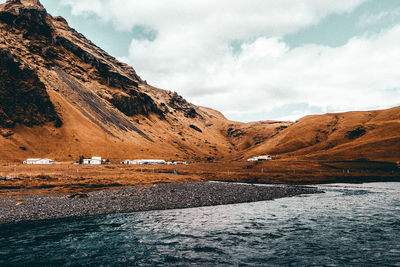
<point x="62" y="96"/>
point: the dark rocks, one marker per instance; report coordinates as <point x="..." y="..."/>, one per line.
<point x="231" y="132"/>
<point x="61" y="19"/>
<point x="30" y="19"/>
<point x="135" y="103"/>
<point x="178" y="103"/>
<point x="281" y="128"/>
<point x="356" y="133"/>
<point x="49" y="53"/>
<point x="6" y="133"/>
<point x="194" y="127"/>
<point x="190" y="113"/>
<point x="58" y="123"/>
<point x="107" y="74"/>
<point x="23" y="97"/>
<point x="176" y="100"/>
<point x="79" y="195"/>
<point x="140" y="198"/>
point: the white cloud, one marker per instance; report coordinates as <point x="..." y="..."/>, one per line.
<point x="224" y="19"/>
<point x="267" y="74"/>
<point x="192" y="54"/>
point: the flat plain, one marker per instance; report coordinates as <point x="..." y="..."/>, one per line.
<point x="17" y="179"/>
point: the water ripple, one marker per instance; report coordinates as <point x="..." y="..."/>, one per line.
<point x="356" y="225"/>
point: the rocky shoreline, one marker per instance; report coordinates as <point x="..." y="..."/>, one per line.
<point x="140" y="198"/>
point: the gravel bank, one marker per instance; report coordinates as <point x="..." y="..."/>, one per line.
<point x="139" y="198"/>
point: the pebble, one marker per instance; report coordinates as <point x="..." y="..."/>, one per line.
<point x="140" y="198"/>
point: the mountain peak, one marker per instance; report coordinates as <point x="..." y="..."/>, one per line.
<point x="31" y="4"/>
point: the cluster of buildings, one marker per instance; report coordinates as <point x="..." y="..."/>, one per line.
<point x="99" y="161"/>
<point x="153" y="162"/>
<point x="92" y="161"/>
<point x="39" y="161"/>
<point x="261" y="158"/>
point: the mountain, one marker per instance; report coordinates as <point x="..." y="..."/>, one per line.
<point x="61" y="96"/>
<point x="362" y="135"/>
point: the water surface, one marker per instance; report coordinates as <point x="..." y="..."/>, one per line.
<point x="352" y="225"/>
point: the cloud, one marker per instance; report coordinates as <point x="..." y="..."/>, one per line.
<point x="224" y="19"/>
<point x="370" y="19"/>
<point x="229" y="55"/>
<point x="267" y="74"/>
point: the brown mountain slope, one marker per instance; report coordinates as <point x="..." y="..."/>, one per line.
<point x="372" y="135"/>
<point x="101" y="106"/>
<point x="61" y="96"/>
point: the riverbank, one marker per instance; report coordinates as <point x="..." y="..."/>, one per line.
<point x="19" y="179"/>
<point x="139" y="198"/>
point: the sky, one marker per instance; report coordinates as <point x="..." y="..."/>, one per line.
<point x="253" y="59"/>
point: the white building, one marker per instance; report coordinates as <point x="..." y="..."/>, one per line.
<point x="129" y="162"/>
<point x="92" y="161"/>
<point x="39" y="161"/>
<point x="145" y="162"/>
<point x="181" y="163"/>
<point x="260" y="158"/>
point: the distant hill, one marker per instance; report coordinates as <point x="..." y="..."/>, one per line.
<point x="61" y="96"/>
<point x="364" y="135"/>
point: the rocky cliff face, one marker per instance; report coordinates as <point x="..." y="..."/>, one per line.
<point x="23" y="97"/>
<point x="32" y="35"/>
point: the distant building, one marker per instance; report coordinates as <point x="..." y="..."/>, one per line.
<point x="92" y="161"/>
<point x="145" y="162"/>
<point x="129" y="162"/>
<point x="39" y="161"/>
<point x="261" y="158"/>
<point x="181" y="163"/>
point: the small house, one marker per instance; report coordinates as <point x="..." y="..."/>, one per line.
<point x="129" y="162"/>
<point x="181" y="163"/>
<point x="39" y="161"/>
<point x="261" y="158"/>
<point x="150" y="162"/>
<point x="92" y="161"/>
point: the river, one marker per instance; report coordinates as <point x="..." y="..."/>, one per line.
<point x="348" y="225"/>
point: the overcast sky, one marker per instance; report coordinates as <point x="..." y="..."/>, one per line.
<point x="254" y="59"/>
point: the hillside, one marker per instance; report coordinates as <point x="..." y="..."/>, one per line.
<point x="366" y="135"/>
<point x="61" y="96"/>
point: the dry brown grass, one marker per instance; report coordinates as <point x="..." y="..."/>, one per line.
<point x="66" y="178"/>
